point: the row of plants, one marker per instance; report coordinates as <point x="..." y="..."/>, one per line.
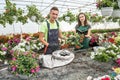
<point x="13" y="14"/>
<point x="22" y="54"/>
<point x="109" y="7"/>
<point x="108" y="49"/>
<point x="105" y="30"/>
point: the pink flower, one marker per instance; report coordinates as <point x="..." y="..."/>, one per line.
<point x="32" y="70"/>
<point x="28" y="38"/>
<point x="14" y="68"/>
<point x="11" y="51"/>
<point x="25" y="53"/>
<point x="37" y="68"/>
<point x="13" y="58"/>
<point x="33" y="55"/>
<point x="4" y="49"/>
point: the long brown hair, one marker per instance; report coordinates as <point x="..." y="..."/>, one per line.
<point x="79" y="22"/>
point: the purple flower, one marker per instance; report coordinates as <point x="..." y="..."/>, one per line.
<point x="16" y="40"/>
<point x="10" y="42"/>
<point x="4" y="49"/>
<point x="14" y="68"/>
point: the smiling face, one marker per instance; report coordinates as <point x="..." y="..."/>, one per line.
<point x="54" y="15"/>
<point x="82" y="18"/>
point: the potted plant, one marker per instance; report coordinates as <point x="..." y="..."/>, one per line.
<point x="116" y="12"/>
<point x="118" y="3"/>
<point x="68" y="17"/>
<point x="34" y="14"/>
<point x="24" y="63"/>
<point x="106" y="7"/>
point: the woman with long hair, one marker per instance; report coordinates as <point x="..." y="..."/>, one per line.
<point x="83" y="28"/>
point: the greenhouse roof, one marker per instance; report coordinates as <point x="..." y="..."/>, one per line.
<point x="44" y="6"/>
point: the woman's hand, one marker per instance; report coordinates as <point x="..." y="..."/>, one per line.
<point x="88" y="36"/>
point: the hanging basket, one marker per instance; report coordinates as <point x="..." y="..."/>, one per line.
<point x="106" y="11"/>
<point x="116" y="13"/>
<point x="118" y="3"/>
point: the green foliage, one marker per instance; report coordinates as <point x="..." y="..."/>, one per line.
<point x="115" y="5"/>
<point x="105" y="30"/>
<point x="104" y="3"/>
<point x="24" y="63"/>
<point x="33" y="12"/>
<point x="96" y="18"/>
<point x="70" y="15"/>
<point x="102" y="57"/>
<point x="12" y="14"/>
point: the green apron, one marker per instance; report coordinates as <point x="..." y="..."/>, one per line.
<point x="86" y="40"/>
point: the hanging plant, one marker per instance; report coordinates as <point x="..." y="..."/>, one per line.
<point x="12" y="14"/>
<point x="10" y="8"/>
<point x="95" y="18"/>
<point x="115" y="5"/>
<point x="104" y="3"/>
<point x="2" y="20"/>
<point x="34" y="14"/>
<point x="71" y="17"/>
<point x="20" y="17"/>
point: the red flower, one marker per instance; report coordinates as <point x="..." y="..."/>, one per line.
<point x="106" y="78"/>
<point x="111" y="40"/>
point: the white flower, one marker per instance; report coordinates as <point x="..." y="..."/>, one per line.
<point x="92" y="55"/>
<point x="3" y="53"/>
<point x="89" y="78"/>
<point x="42" y="46"/>
<point x="118" y="56"/>
<point x="111" y="51"/>
<point x="34" y="45"/>
<point x="107" y="51"/>
<point x="22" y="49"/>
<point x="117" y="77"/>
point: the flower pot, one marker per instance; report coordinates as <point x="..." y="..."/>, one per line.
<point x="116" y="13"/>
<point x="106" y="11"/>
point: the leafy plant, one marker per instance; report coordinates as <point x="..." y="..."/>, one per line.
<point x="20" y="17"/>
<point x="12" y="14"/>
<point x="34" y="14"/>
<point x="104" y="3"/>
<point x="69" y="15"/>
<point x="115" y="5"/>
<point x="102" y="57"/>
<point x="24" y="63"/>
